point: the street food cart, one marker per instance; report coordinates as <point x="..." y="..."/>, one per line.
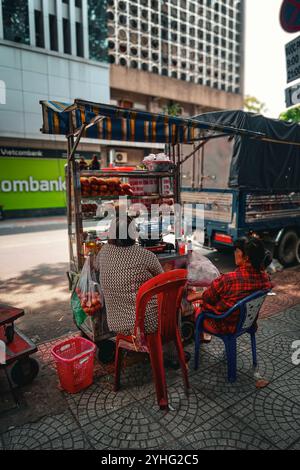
<point x="89" y="192"/>
<point x="17" y="349"/>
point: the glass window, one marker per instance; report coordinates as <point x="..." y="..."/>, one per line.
<point x="98" y="30"/>
<point x="79" y="39"/>
<point x="53" y="33"/>
<point x="16" y="20"/>
<point x="67" y="36"/>
<point x="39" y="28"/>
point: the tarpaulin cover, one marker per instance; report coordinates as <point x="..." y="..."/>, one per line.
<point x="112" y="123"/>
<point x="262" y="164"/>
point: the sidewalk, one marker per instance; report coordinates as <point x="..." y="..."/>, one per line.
<point x="216" y="415"/>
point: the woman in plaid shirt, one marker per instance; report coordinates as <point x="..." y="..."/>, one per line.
<point x="224" y="292"/>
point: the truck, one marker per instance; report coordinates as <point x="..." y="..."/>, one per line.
<point x="248" y="186"/>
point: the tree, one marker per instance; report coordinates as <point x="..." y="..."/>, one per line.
<point x="172" y="109"/>
<point x="291" y="115"/>
<point x="253" y="105"/>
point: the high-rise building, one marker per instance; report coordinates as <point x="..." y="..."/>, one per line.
<point x="49" y="49"/>
<point x="150" y="54"/>
<point x="185" y="51"/>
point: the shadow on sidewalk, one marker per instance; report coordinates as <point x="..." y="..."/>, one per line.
<point x="44" y="295"/>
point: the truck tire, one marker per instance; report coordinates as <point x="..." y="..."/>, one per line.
<point x="288" y="248"/>
<point x="298" y="252"/>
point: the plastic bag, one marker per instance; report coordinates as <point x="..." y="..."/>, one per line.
<point x="87" y="299"/>
<point x="201" y="271"/>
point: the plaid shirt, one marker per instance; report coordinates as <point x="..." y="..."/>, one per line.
<point x="229" y="289"/>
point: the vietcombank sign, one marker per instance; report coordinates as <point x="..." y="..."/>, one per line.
<point x="32" y="183"/>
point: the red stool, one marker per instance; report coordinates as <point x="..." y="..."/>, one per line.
<point x="168" y="288"/>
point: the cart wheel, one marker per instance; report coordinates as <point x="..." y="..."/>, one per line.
<point x="9" y="333"/>
<point x="187" y="331"/>
<point x="106" y="351"/>
<point x="24" y="371"/>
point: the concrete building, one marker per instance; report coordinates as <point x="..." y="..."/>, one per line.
<point x="49" y="49"/>
<point x="189" y="52"/>
<point x="147" y="54"/>
<point x="45" y="53"/>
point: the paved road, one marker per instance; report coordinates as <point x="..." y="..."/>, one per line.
<point x="33" y="265"/>
<point x="33" y="269"/>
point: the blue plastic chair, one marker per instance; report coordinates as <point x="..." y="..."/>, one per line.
<point x="249" y="310"/>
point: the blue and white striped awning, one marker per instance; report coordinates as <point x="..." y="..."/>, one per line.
<point x="106" y="122"/>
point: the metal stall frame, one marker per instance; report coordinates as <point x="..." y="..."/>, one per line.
<point x="104" y="122"/>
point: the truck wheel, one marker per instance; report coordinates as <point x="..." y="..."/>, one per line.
<point x="298" y="252"/>
<point x="24" y="371"/>
<point x="288" y="248"/>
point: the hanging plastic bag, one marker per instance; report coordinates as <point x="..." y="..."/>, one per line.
<point x="87" y="299"/>
<point x="201" y="271"/>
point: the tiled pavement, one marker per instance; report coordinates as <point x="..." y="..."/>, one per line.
<point x="216" y="415"/>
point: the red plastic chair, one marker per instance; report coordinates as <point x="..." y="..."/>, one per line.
<point x="168" y="287"/>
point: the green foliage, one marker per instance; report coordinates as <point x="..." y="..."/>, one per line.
<point x="172" y="109"/>
<point x="291" y="115"/>
<point x="253" y="105"/>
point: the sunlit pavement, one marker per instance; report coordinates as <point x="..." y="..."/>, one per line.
<point x="216" y="415"/>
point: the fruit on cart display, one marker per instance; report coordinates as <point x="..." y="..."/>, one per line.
<point x="89" y="210"/>
<point x="91" y="302"/>
<point x="93" y="186"/>
<point x="87" y="298"/>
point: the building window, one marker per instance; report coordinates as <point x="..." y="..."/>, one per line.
<point x="205" y="32"/>
<point x="16" y="21"/>
<point x="79" y="39"/>
<point x="53" y="33"/>
<point x="39" y="28"/>
<point x="98" y="30"/>
<point x="67" y="36"/>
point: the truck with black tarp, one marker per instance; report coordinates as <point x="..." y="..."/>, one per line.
<point x="248" y="186"/>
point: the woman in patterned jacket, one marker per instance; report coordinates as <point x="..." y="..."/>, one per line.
<point x="124" y="267"/>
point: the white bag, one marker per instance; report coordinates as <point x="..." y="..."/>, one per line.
<point x="201" y="271"/>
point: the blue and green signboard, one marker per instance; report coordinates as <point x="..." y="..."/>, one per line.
<point x="31" y="180"/>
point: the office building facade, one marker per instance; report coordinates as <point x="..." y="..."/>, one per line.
<point x="191" y="51"/>
<point x="49" y="49"/>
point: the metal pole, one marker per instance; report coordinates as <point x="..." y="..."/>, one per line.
<point x="202" y="167"/>
<point x="69" y="205"/>
<point x="75" y="145"/>
<point x="194" y="169"/>
<point x="193" y="153"/>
